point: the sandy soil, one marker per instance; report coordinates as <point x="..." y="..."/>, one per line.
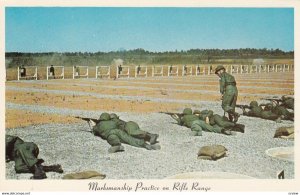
<point x="23" y="118"/>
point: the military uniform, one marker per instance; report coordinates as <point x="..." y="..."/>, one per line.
<point x="108" y="130"/>
<point x="196" y="124"/>
<point x="282" y="111"/>
<point x="258" y="111"/>
<point x="229" y="91"/>
<point x="288" y="102"/>
<point x="133" y="129"/>
<point x="25" y="155"/>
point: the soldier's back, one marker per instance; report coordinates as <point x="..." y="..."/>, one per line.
<point x="102" y="128"/>
<point x="189" y="119"/>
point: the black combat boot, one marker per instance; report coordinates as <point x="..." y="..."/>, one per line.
<point x="153" y="138"/>
<point x="114" y="149"/>
<point x="53" y="168"/>
<point x="236" y="117"/>
<point x="239" y="128"/>
<point x="152" y="147"/>
<point x="38" y="172"/>
<point x="226" y="132"/>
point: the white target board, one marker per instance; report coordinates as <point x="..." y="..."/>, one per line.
<point x="102" y="72"/>
<point x="263" y="68"/>
<point x="244" y="69"/>
<point x="271" y="68"/>
<point x="254" y="68"/>
<point x="172" y="70"/>
<point x="55" y="72"/>
<point x="286" y="68"/>
<point x="141" y="71"/>
<point x="187" y="70"/>
<point x="27" y="73"/>
<point x="200" y="70"/>
<point x="80" y="72"/>
<point x="279" y="67"/>
<point x="157" y="71"/>
<point x="234" y="69"/>
<point x="123" y="72"/>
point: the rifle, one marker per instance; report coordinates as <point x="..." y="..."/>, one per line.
<point x="89" y="120"/>
<point x="172" y="113"/>
<point x="242" y="106"/>
<point x="274" y="99"/>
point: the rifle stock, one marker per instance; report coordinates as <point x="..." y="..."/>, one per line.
<point x="172" y="113"/>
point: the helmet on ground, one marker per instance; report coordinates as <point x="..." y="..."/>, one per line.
<point x="219" y="67"/>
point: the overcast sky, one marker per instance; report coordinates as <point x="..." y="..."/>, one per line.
<point x="60" y="29"/>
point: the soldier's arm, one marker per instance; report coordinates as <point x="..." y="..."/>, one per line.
<point x="222" y="84"/>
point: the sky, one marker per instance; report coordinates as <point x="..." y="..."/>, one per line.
<point x="92" y="29"/>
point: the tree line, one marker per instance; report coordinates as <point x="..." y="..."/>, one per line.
<point x="141" y="56"/>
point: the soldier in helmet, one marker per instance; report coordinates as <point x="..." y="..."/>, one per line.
<point x="287" y="102"/>
<point x="133" y="129"/>
<point x="280" y="111"/>
<point x="197" y="124"/>
<point x="108" y="130"/>
<point x="256" y="110"/>
<point x="25" y="155"/>
<point x="52" y="71"/>
<point x="229" y="92"/>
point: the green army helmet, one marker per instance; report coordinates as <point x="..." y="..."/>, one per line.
<point x="104" y="116"/>
<point x="253" y="104"/>
<point x="113" y="116"/>
<point x="210" y="113"/>
<point x="197" y="112"/>
<point x="187" y="111"/>
<point x="219" y="67"/>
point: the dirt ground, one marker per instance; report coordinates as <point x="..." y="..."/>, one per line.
<point x="251" y="87"/>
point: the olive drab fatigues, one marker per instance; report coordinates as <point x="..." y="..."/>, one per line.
<point x="23" y="153"/>
<point x="197" y="125"/>
<point x="132" y="129"/>
<point x="220" y="121"/>
<point x="109" y="131"/>
<point x="288" y="103"/>
<point x="229" y="90"/>
<point x="257" y="111"/>
<point x="281" y="110"/>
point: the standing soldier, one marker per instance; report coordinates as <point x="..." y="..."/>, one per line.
<point x="171" y="68"/>
<point x="138" y="69"/>
<point x="120" y="69"/>
<point x="229" y="92"/>
<point x="51" y="70"/>
<point x="23" y="71"/>
<point x="198" y="69"/>
<point x="185" y="69"/>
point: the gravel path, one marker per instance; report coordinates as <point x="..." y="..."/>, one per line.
<point x="78" y="150"/>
